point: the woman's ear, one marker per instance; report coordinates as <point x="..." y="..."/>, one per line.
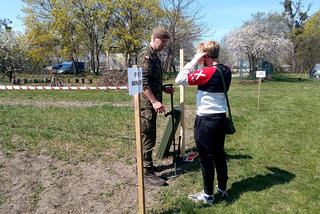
<point x="205" y="56"/>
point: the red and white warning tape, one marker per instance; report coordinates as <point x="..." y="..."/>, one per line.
<point x="10" y="87"/>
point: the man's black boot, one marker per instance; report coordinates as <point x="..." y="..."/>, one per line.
<point x="152" y="179"/>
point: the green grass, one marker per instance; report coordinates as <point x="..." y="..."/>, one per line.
<point x="69" y="130"/>
<point x="97" y="96"/>
<point x="35" y="195"/>
<point x="273" y="158"/>
<point x="3" y="198"/>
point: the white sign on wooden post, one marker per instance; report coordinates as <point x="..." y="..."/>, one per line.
<point x="135" y="88"/>
<point x="135" y="80"/>
<point x="260" y="74"/>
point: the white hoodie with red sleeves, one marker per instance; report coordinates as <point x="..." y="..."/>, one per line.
<point x="210" y="94"/>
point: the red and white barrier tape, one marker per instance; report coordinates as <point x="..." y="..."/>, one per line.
<point x="10" y="87"/>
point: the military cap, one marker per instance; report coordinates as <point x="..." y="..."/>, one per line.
<point x="160" y="33"/>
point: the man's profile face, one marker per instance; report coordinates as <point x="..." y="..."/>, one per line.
<point x="159" y="44"/>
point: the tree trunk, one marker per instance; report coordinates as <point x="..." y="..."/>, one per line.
<point x="293" y="65"/>
<point x="170" y="64"/>
<point x="126" y="59"/>
<point x="252" y="65"/>
<point x="10" y="75"/>
<point x="174" y="71"/>
<point x="93" y="67"/>
<point x="97" y="63"/>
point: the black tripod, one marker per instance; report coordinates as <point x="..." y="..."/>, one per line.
<point x="175" y="155"/>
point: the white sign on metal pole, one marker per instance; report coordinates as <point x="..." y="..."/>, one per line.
<point x="135" y="80"/>
<point x="260" y="74"/>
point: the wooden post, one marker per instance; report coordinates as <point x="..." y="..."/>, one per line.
<point x="137" y="113"/>
<point x="260" y="75"/>
<point x="259" y="93"/>
<point x="182" y="98"/>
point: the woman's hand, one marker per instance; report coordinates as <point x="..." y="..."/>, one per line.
<point x="198" y="58"/>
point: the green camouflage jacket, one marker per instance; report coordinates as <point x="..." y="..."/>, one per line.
<point x="151" y="74"/>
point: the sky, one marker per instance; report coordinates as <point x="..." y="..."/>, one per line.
<point x="11" y="9"/>
<point x="223" y="16"/>
<point x="220" y="16"/>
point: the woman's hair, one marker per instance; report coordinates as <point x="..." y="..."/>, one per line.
<point x="212" y="48"/>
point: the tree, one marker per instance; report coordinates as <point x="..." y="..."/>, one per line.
<point x="44" y="45"/>
<point x="308" y="51"/>
<point x="76" y="29"/>
<point x="225" y="55"/>
<point x="259" y="38"/>
<point x="95" y="19"/>
<point x="133" y="22"/>
<point x="182" y="22"/>
<point x="64" y="29"/>
<point x="296" y="17"/>
<point x="11" y="51"/>
<point x="64" y="26"/>
<point x="6" y="24"/>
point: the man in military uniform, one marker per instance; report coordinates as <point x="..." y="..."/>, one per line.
<point x="151" y="99"/>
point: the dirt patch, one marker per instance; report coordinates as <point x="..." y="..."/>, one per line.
<point x="40" y="184"/>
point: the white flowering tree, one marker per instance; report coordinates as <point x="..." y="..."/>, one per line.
<point x="11" y="52"/>
<point x="260" y="38"/>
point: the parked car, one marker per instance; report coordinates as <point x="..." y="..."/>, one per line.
<point x="68" y="67"/>
<point x="51" y="69"/>
<point x="315" y="72"/>
<point x="56" y="67"/>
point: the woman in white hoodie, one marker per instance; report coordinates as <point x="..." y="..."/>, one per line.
<point x="209" y="124"/>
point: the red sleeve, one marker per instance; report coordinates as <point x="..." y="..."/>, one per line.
<point x="201" y="76"/>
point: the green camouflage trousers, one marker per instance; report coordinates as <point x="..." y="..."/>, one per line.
<point x="149" y="131"/>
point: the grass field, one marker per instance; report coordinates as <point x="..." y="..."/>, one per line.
<point x="273" y="158"/>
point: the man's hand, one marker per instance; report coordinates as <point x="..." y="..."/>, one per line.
<point x="158" y="107"/>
